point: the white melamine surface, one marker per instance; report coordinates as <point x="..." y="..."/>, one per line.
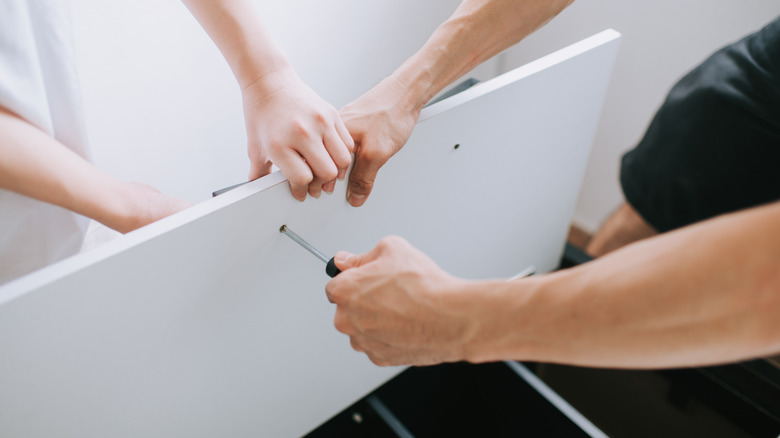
<point x="212" y="323"/>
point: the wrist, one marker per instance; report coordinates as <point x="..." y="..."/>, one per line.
<point x="113" y="204"/>
<point x="503" y="324"/>
<point x="438" y="63"/>
<point x="269" y="79"/>
<point x="412" y="87"/>
<point x="475" y="305"/>
<point x="401" y="95"/>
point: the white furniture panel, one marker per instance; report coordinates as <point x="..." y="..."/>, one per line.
<point x="212" y="323"/>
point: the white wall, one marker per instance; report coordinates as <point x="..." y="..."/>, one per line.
<point x="662" y="39"/>
<point x="163" y="108"/>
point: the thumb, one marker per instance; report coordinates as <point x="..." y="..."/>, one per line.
<point x="345" y="260"/>
<point x="361" y="180"/>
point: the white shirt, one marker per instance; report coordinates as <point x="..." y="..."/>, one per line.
<point x="38" y="82"/>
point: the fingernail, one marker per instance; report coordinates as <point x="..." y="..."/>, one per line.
<point x="342" y="258"/>
<point x="330" y="192"/>
<point x="356" y="199"/>
<point x="316" y="195"/>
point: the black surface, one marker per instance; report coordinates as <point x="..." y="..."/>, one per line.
<point x="667" y="403"/>
<point x="331" y="269"/>
<point x="458" y="400"/>
<point x="344" y="425"/>
<point x="573" y="256"/>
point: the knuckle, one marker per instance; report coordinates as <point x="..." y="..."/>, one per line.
<point x="355" y="344"/>
<point x="390" y="241"/>
<point x="343" y="160"/>
<point x="275" y="147"/>
<point x="328" y="173"/>
<point x="301" y="129"/>
<point x="360" y="185"/>
<point x="341" y="322"/>
<point x="378" y="361"/>
<point x="300" y="179"/>
<point x="371" y="154"/>
<point x="332" y="292"/>
<point x="329" y="293"/>
<point x="321" y="118"/>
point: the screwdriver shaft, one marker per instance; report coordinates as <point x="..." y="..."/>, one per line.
<point x="291" y="234"/>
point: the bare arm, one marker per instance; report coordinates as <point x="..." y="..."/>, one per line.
<point x="287" y="123"/>
<point x="478" y="30"/>
<point x="35" y="165"/>
<point x="708" y="293"/>
<point x="382" y="120"/>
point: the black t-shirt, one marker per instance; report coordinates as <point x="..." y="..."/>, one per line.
<point x="714" y="145"/>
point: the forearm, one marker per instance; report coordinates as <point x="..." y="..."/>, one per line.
<point x="234" y="27"/>
<point x="708" y="293"/>
<point x="478" y="30"/>
<point x="35" y="165"/>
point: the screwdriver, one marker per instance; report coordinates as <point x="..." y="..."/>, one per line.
<point x="330" y="267"/>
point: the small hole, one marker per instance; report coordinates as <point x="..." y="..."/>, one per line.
<point x="457" y="146"/>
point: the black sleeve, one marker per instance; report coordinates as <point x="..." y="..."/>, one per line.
<point x="714" y="145"/>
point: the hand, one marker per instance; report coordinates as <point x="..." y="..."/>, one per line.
<point x="140" y="204"/>
<point x="289" y="125"/>
<point x="398" y="307"/>
<point x="381" y="122"/>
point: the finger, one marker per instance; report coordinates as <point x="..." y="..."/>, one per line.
<point x="259" y="162"/>
<point x="340" y="293"/>
<point x="338" y="151"/>
<point x="379" y="360"/>
<point x="259" y="170"/>
<point x="297" y="172"/>
<point x="329" y="187"/>
<point x="353" y="341"/>
<point x="345" y="136"/>
<point x="386" y="355"/>
<point x="361" y="180"/>
<point x="337" y="290"/>
<point x="329" y="292"/>
<point x="341" y="322"/>
<point x="321" y="164"/>
<point x="374" y="349"/>
<point x="315" y="189"/>
<point x="392" y="244"/>
<point x="345" y="260"/>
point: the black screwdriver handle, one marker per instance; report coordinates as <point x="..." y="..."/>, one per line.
<point x="331" y="268"/>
